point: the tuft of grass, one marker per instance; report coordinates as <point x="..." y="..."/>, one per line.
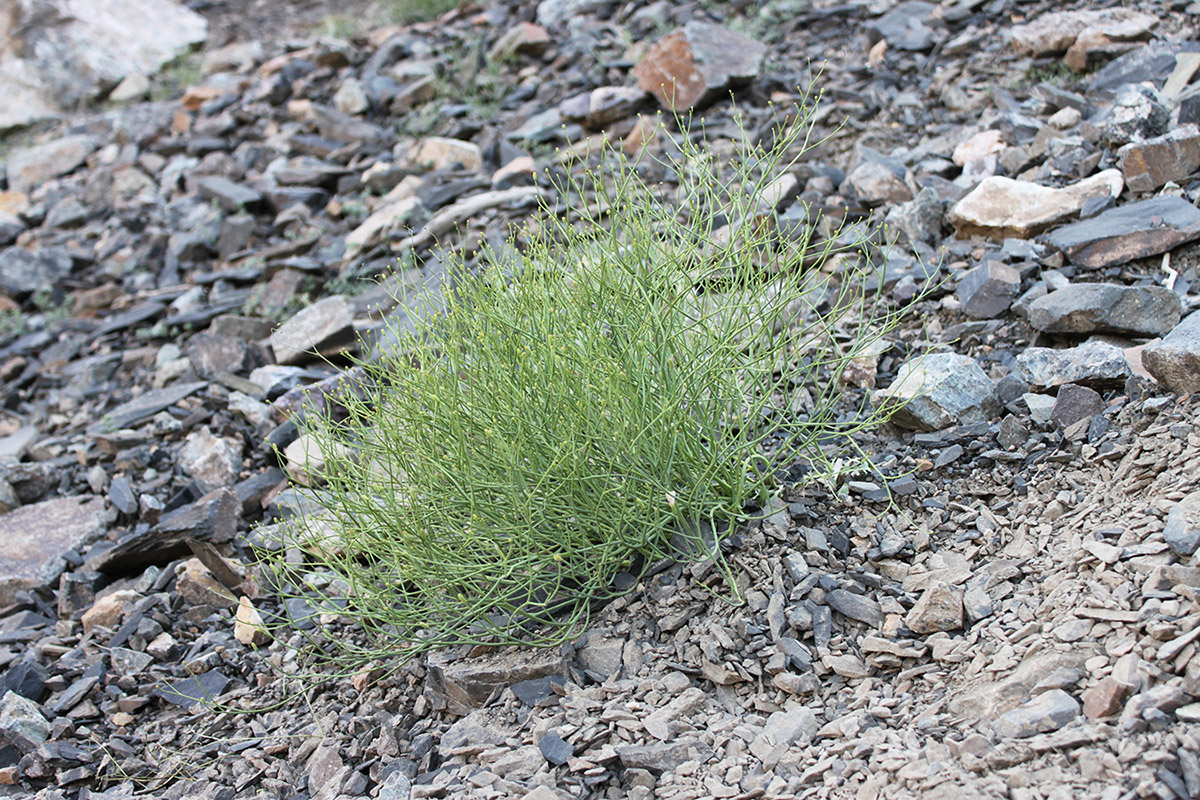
<point x="624" y="388"/>
<point x="419" y="10"/>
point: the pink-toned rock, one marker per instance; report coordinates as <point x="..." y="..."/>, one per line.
<point x="1105" y="699"/>
<point x="1001" y="207"/>
<point x="1058" y="31"/>
<point x="524" y="38"/>
<point x="33" y="539"/>
<point x="694" y="64"/>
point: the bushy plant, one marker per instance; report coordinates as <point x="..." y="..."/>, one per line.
<point x="617" y="389"/>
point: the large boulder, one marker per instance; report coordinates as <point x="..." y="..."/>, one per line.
<point x="55" y="54"/>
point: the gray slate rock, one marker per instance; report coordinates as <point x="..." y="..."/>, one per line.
<point x="941" y="390"/>
<point x="555" y="749"/>
<point x="987" y="291"/>
<point x="1121" y="234"/>
<point x="23" y="272"/>
<point x="144" y="407"/>
<point x="35" y="537"/>
<point x="855" y="606"/>
<point x="1092" y="307"/>
<point x="1175" y="361"/>
<point x="326" y="327"/>
<point x="1047" y="712"/>
<point x="202" y="688"/>
<point x="663" y="757"/>
<point x="1095" y="363"/>
<point x="1182" y="526"/>
<point x="1075" y="403"/>
<point x="22" y="722"/>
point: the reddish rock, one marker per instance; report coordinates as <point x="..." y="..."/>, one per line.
<point x="1105" y="699"/>
<point x="524" y="38"/>
<point x="694" y="64"/>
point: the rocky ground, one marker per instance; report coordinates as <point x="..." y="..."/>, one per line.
<point x="1007" y="606"/>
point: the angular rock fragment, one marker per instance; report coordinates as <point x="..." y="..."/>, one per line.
<point x="903" y="27"/>
<point x="663" y="757"/>
<point x="465" y="684"/>
<point x="941" y="390"/>
<point x="1001" y="207"/>
<point x="1182" y="526"/>
<point x="1074" y="32"/>
<point x="61" y="53"/>
<point x="1046" y="712"/>
<point x="696" y="63"/>
<point x="1105" y="699"/>
<point x="1119" y="235"/>
<point x="1096" y="364"/>
<point x="1138" y="113"/>
<point x="30" y="167"/>
<point x="22" y="723"/>
<point x="36" y="536"/>
<point x="24" y="272"/>
<point x="1101" y="307"/>
<point x="987" y="291"/>
<point x="599" y="107"/>
<point x="939" y="608"/>
<point x="213" y="461"/>
<point x="322" y="329"/>
<point x="1150" y="164"/>
<point x="203" y="688"/>
<point x="1175" y="361"/>
<point x="1074" y="403"/>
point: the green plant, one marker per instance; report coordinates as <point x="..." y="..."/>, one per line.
<point x="175" y="76"/>
<point x="618" y="393"/>
<point x="419" y="10"/>
<point x="12" y="323"/>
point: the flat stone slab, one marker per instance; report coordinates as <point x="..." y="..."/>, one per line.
<point x="1095" y="364"/>
<point x="144" y="407"/>
<point x="1001" y="207"/>
<point x="1092" y="307"/>
<point x="1120" y="235"/>
<point x="36" y="536"/>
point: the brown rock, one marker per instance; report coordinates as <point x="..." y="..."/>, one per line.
<point x="1105" y="699"/>
<point x="939" y="608"/>
<point x="524" y="38"/>
<point x="467" y="683"/>
<point x="1150" y="164"/>
<point x="1175" y="361"/>
<point x="35" y="537"/>
<point x="108" y="610"/>
<point x="694" y="64"/>
<point x="198" y="586"/>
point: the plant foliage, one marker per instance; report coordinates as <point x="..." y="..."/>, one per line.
<point x="611" y="394"/>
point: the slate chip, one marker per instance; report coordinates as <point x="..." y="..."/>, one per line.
<point x="202" y="688"/>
